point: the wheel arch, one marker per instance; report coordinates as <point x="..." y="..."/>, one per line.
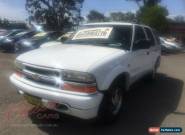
<point x="122" y="79"/>
<point x="158" y="62"/>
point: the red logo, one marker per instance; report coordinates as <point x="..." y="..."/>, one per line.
<point x="154" y="130"/>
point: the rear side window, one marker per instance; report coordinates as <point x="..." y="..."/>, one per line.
<point x="150" y="36"/>
<point x="139" y="37"/>
<point x="156" y="34"/>
<point x="139" y="34"/>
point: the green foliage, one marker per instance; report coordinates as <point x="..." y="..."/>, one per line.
<point x="154" y="16"/>
<point x="56" y="14"/>
<point x="7" y="24"/>
<point x="122" y="17"/>
<point x="95" y="16"/>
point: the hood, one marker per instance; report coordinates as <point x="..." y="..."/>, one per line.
<point x="2" y="38"/>
<point x="7" y="40"/>
<point x="52" y="43"/>
<point x="30" y="42"/>
<point x="70" y="57"/>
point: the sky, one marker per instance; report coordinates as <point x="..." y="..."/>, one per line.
<point x="15" y="9"/>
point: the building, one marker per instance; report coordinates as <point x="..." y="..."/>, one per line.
<point x="177" y="30"/>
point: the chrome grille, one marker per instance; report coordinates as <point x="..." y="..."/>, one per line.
<point x="42" y="76"/>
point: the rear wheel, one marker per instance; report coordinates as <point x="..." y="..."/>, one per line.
<point x="152" y="75"/>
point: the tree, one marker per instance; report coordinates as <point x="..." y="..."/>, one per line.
<point x="120" y="16"/>
<point x="95" y="16"/>
<point x="155" y="16"/>
<point x="9" y="24"/>
<point x="56" y="14"/>
<point x="152" y="14"/>
<point x="146" y="2"/>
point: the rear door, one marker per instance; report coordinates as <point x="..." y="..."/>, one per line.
<point x="139" y="62"/>
<point x="154" y="48"/>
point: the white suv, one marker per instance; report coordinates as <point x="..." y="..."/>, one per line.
<point x="88" y="75"/>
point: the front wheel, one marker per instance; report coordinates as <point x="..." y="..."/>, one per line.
<point x="111" y="105"/>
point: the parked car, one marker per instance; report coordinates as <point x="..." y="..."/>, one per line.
<point x="170" y="47"/>
<point x="2" y="32"/>
<point x="59" y="41"/>
<point x="37" y="40"/>
<point x="9" y="34"/>
<point x="8" y="44"/>
<point x="88" y="75"/>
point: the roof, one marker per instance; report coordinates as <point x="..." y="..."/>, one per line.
<point x="109" y="23"/>
<point x="115" y="24"/>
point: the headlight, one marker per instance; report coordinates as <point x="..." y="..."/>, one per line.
<point x="19" y="65"/>
<point x="79" y="82"/>
<point x="80" y="77"/>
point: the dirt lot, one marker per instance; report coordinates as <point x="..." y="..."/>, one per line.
<point x="160" y="103"/>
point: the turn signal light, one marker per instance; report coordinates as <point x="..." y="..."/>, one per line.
<point x="19" y="74"/>
<point x="79" y="88"/>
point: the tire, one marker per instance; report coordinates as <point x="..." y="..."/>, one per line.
<point x="111" y="106"/>
<point x="152" y="75"/>
<point x="13" y="50"/>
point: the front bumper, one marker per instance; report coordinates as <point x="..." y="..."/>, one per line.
<point x="81" y="106"/>
<point x="7" y="46"/>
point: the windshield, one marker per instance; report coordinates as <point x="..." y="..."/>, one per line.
<point x="21" y="34"/>
<point x="109" y="36"/>
<point x="40" y="35"/>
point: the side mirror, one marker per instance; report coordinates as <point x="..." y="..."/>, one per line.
<point x="141" y="44"/>
<point x="62" y="39"/>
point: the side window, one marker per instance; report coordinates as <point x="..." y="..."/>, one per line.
<point x="139" y="38"/>
<point x="139" y="34"/>
<point x="150" y="36"/>
<point x="123" y="35"/>
<point x="156" y="34"/>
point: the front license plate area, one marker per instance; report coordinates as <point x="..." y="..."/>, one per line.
<point x="33" y="100"/>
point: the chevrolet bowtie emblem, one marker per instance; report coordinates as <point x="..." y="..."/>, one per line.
<point x="36" y="77"/>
